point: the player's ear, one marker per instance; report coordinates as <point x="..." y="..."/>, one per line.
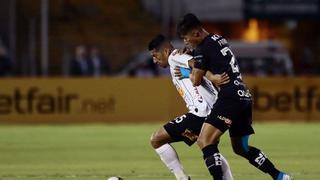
<point x="167" y="51"/>
<point x="196" y="33"/>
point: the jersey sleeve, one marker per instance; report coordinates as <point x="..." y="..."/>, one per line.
<point x="209" y="51"/>
<point x="182" y="60"/>
<point x="200" y="60"/>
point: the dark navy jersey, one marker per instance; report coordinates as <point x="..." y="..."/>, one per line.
<point x="214" y="54"/>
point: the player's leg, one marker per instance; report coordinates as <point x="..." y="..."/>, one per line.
<point x="226" y="171"/>
<point x="195" y="127"/>
<point x="184" y="128"/>
<point x="159" y="138"/>
<point x="191" y="127"/>
<point x="208" y="142"/>
<point x="205" y="142"/>
<point x="240" y="133"/>
<point x="215" y="125"/>
<point x="160" y="141"/>
<point x="256" y="157"/>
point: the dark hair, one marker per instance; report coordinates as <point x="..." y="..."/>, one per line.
<point x="188" y="23"/>
<point x="157" y="42"/>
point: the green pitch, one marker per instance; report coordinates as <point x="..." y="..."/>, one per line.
<point x="94" y="152"/>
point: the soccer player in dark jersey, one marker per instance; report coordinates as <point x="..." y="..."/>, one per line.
<point x="233" y="109"/>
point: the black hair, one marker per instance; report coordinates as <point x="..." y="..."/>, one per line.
<point x="157" y="42"/>
<point x="188" y="23"/>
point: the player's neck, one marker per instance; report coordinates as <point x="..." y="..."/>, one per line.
<point x="204" y="34"/>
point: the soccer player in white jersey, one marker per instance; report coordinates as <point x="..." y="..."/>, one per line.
<point x="199" y="101"/>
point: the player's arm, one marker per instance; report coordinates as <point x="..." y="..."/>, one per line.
<point x="191" y="63"/>
<point x="198" y="69"/>
<point x="196" y="76"/>
<point x="186" y="69"/>
<point x="217" y="79"/>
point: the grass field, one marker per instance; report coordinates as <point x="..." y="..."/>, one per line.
<point x="92" y="152"/>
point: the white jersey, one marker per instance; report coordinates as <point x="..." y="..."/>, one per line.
<point x="199" y="100"/>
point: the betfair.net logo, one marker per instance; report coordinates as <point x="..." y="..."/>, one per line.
<point x="300" y="99"/>
<point x="58" y="101"/>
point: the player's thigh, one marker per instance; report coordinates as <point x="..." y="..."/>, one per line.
<point x="185" y="128"/>
<point x="209" y="135"/>
<point x="242" y="125"/>
<point x="222" y="115"/>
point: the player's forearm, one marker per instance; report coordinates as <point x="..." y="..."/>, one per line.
<point x="191" y="63"/>
<point x="196" y="76"/>
<point x="194" y="81"/>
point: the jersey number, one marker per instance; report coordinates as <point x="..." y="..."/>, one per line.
<point x="234" y="66"/>
<point x="180" y="119"/>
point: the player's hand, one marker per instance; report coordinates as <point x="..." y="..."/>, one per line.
<point x="177" y="72"/>
<point x="220" y="79"/>
<point x="184" y="50"/>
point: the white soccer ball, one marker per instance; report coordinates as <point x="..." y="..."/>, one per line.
<point x="115" y="178"/>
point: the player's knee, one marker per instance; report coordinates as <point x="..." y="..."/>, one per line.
<point x="239" y="151"/>
<point x="202" y="142"/>
<point x="155" y="140"/>
<point x="240" y="146"/>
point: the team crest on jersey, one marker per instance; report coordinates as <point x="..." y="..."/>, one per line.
<point x="226" y="120"/>
<point x="190" y="135"/>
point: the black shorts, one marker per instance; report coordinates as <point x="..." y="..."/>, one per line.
<point x="235" y="115"/>
<point x="185" y="128"/>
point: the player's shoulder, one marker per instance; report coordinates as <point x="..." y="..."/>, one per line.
<point x="172" y="57"/>
<point x="176" y="57"/>
<point x="212" y="40"/>
<point x="174" y="53"/>
<point x="210" y="44"/>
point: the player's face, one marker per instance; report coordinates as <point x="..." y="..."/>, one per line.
<point x="160" y="57"/>
<point x="192" y="38"/>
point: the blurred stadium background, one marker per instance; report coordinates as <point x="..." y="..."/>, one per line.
<point x="80" y="96"/>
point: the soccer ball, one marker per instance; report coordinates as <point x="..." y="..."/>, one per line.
<point x="115" y="178"/>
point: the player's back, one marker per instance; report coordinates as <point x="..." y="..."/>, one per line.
<point x="214" y="54"/>
<point x="199" y="100"/>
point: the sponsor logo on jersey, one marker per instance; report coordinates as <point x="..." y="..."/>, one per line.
<point x="226" y="120"/>
<point x="244" y="93"/>
<point x="199" y="97"/>
<point x="180" y="91"/>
